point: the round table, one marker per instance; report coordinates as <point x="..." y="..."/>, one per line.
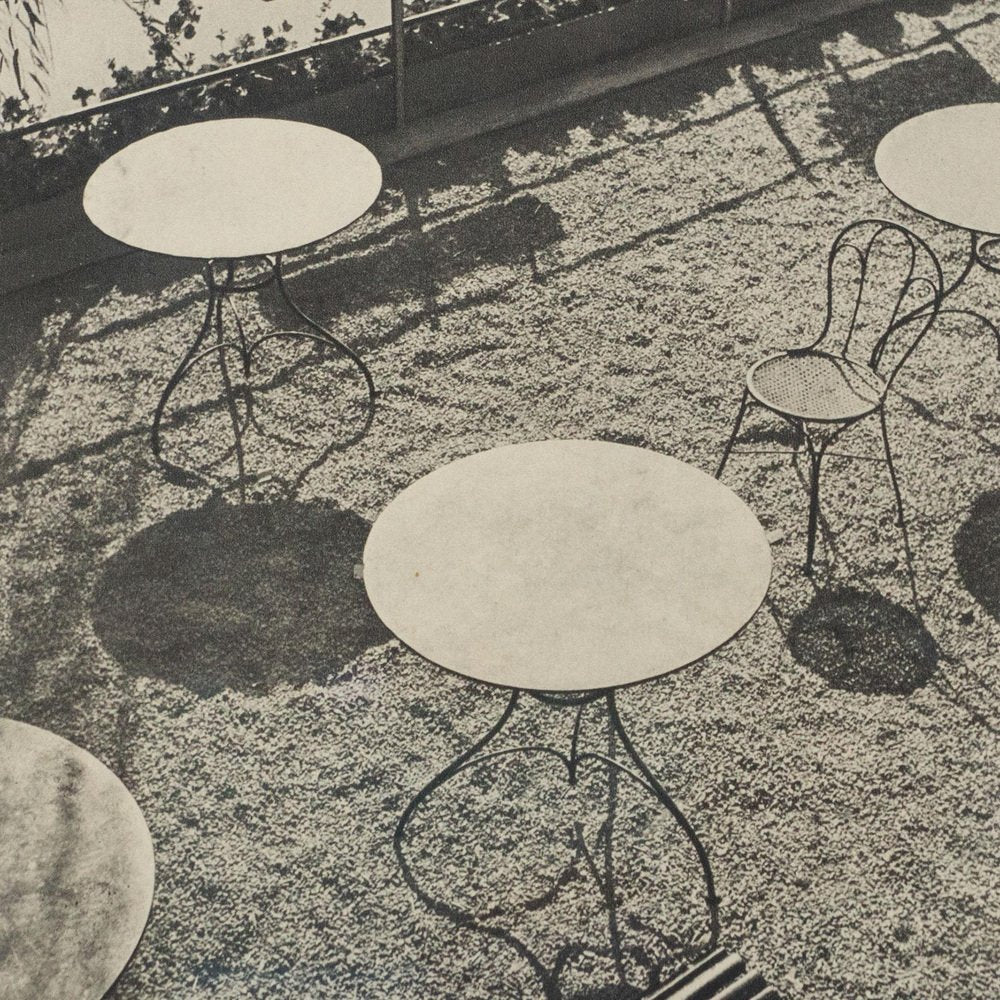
<point x="944" y="165"/>
<point x="238" y="189"/>
<point x="76" y="869"/>
<point x="566" y="569"/>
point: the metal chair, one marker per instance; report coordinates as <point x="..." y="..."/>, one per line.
<point x="719" y="976"/>
<point x="825" y="387"/>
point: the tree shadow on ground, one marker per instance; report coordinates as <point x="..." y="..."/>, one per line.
<point x="863" y="642"/>
<point x="62" y="302"/>
<point x="977" y="551"/>
<point x="882" y="30"/>
<point x="863" y="111"/>
<point x="505" y="233"/>
<point x="239" y="597"/>
<point x="673" y="98"/>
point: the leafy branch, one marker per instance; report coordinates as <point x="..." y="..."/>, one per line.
<point x="25" y="48"/>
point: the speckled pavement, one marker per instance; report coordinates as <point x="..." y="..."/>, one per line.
<point x="609" y="272"/>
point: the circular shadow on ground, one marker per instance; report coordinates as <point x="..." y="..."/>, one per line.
<point x="863" y="642"/>
<point x="239" y="597"/>
<point x="977" y="552"/>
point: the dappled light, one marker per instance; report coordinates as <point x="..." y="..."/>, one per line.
<point x="349" y="795"/>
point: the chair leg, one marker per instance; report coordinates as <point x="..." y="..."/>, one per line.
<point x="800" y="437"/>
<point x="815" y="459"/>
<point x="900" y="520"/>
<point x="892" y="469"/>
<point x="736" y="430"/>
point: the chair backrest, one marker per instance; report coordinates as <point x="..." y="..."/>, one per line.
<point x="884" y="291"/>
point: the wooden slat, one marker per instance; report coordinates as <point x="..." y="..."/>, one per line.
<point x="669" y="988"/>
<point x="743" y="988"/>
<point x="707" y="980"/>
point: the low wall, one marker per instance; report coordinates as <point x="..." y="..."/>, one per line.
<point x="457" y="95"/>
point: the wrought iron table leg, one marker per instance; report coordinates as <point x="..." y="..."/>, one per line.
<point x="323" y="331"/>
<point x="474" y="756"/>
<point x="978" y="258"/>
<point x="466" y="759"/>
<point x="449" y="772"/>
<point x="214" y="302"/>
<point x="227" y="382"/>
<point x="711" y="897"/>
<point x="975" y="257"/>
<point x="218" y="293"/>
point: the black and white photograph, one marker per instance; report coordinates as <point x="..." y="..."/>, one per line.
<point x="499" y="500"/>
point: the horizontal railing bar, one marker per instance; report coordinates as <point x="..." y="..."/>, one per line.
<point x="191" y="81"/>
<point x="429" y="15"/>
<point x="171" y="86"/>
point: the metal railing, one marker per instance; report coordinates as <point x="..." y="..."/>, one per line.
<point x="396" y="30"/>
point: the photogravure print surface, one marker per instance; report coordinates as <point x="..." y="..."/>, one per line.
<point x="608" y="269"/>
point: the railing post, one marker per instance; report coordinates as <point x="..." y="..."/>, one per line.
<point x="399" y="62"/>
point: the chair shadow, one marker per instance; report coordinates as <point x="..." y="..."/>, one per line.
<point x="239" y="597"/>
<point x="863" y="642"/>
<point x="779" y="433"/>
<point x="977" y="552"/>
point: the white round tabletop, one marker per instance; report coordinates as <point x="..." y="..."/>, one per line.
<point x="566" y="565"/>
<point x="944" y="164"/>
<point x="76" y="869"/>
<point x="238" y="187"/>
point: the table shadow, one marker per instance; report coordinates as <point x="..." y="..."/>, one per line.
<point x="239" y="597"/>
<point x="863" y="642"/>
<point x="977" y="551"/>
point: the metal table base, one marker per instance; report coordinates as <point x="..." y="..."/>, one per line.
<point x="637" y="770"/>
<point x="219" y="292"/>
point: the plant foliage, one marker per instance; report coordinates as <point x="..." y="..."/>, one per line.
<point x="42" y="163"/>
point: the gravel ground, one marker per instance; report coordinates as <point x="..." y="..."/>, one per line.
<point x="607" y="272"/>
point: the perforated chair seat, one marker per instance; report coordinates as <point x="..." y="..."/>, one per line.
<point x="813" y="385"/>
